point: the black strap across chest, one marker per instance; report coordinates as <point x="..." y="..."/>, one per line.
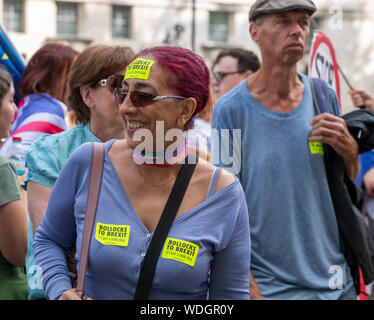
<point x="158" y="240"/>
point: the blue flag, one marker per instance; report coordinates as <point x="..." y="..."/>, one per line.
<point x="11" y="59"/>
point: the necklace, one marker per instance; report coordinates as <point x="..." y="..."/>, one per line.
<point x="161" y="184"/>
<point x="162" y="159"/>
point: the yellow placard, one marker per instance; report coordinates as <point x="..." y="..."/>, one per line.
<point x="113" y="235"/>
<point x="179" y="250"/>
<point x="316" y="147"/>
<point x="139" y="69"/>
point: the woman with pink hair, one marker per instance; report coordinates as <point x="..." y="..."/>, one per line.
<point x="206" y="253"/>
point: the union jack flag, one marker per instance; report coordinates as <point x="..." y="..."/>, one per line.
<point x="37" y="115"/>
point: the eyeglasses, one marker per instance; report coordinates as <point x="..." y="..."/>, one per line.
<point x="140" y="99"/>
<point x="113" y="82"/>
<point x="219" y="76"/>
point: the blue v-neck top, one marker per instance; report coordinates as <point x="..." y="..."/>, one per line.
<point x="206" y="254"/>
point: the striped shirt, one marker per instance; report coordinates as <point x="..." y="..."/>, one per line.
<point x="37" y="115"/>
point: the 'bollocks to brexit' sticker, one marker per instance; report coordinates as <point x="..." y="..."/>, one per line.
<point x="179" y="250"/>
<point x="316" y="147"/>
<point x="139" y="69"/>
<point x="113" y="235"/>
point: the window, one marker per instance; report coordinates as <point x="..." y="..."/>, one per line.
<point x="13" y="15"/>
<point x="121" y="21"/>
<point x="219" y="26"/>
<point x="67" y="19"/>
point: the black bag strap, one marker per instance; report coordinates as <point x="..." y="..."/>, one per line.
<point x="320" y="92"/>
<point x="158" y="240"/>
<point x="354" y="241"/>
<point x="321" y="101"/>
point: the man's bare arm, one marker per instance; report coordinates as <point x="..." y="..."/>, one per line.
<point x="254" y="290"/>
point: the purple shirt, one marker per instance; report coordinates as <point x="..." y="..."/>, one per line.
<point x="213" y="240"/>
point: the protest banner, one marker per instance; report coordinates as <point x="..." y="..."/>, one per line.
<point x="323" y="63"/>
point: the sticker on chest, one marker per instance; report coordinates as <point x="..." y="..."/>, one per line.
<point x="179" y="250"/>
<point x="113" y="235"/>
<point x="316" y="147"/>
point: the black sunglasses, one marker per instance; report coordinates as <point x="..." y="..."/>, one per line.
<point x="140" y="99"/>
<point x="113" y="82"/>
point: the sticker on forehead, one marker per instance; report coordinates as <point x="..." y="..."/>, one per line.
<point x="139" y="69"/>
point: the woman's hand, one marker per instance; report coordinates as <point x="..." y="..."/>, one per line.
<point x="72" y="295"/>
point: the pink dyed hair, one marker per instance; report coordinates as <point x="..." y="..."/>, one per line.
<point x="185" y="72"/>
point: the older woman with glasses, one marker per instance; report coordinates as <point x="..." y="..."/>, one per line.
<point x="206" y="251"/>
<point x="95" y="75"/>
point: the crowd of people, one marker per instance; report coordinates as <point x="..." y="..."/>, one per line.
<point x="261" y="226"/>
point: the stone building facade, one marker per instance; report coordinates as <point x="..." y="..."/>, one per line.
<point x="217" y="24"/>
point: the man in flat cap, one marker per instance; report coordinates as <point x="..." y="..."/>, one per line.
<point x="296" y="252"/>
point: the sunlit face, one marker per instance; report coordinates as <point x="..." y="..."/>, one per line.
<point x="8" y="111"/>
<point x="282" y="37"/>
<point x="106" y="108"/>
<point x="157" y="117"/>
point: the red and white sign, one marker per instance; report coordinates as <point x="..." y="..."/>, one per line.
<point x="323" y="63"/>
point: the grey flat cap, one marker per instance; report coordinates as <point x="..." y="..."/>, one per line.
<point x="261" y="7"/>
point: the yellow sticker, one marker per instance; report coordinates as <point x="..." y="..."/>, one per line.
<point x="113" y="235"/>
<point x="4" y="57"/>
<point x="179" y="250"/>
<point x="139" y="69"/>
<point x="316" y="147"/>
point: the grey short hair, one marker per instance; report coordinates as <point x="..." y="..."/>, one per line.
<point x="259" y="20"/>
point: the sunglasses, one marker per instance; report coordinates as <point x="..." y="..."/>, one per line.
<point x="113" y="82"/>
<point x="219" y="76"/>
<point x="140" y="99"/>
